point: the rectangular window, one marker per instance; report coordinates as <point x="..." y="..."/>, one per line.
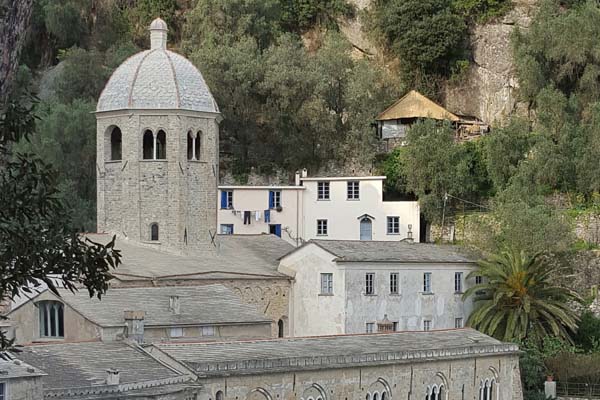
<point x="369" y="283"/>
<point x="478" y="279"/>
<point x="322" y="190"/>
<point x="370" y="327"/>
<point x="393" y="225"/>
<point x="274" y="198"/>
<point x="427" y="282"/>
<point x="353" y="190"/>
<point x="458" y="323"/>
<point x="394" y="283"/>
<point x="208" y="330"/>
<point x="322" y="227"/>
<point x="458" y="278"/>
<point x="426" y="324"/>
<point x="326" y="283"/>
<point x="2" y="390"/>
<point x="226" y="199"/>
<point x="226" y="229"/>
<point x="395" y="326"/>
<point x="176" y="332"/>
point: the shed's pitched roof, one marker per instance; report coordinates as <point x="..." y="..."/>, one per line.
<point x="306" y="352"/>
<point x="415" y="105"/>
<point x="80" y="365"/>
<point x="237" y="257"/>
<point x="199" y="305"/>
<point x="12" y="367"/>
<point x="399" y="252"/>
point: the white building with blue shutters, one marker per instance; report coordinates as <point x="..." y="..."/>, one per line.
<point x="334" y="208"/>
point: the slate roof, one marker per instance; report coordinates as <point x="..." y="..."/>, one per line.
<point x="291" y="353"/>
<point x="77" y="365"/>
<point x="401" y="252"/>
<point x="237" y="257"/>
<point x="12" y="367"/>
<point x="415" y="105"/>
<point x="199" y="305"/>
<point x="157" y="79"/>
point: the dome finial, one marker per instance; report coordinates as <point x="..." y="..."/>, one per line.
<point x="158" y="34"/>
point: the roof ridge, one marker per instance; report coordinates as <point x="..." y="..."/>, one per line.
<point x="175" y="81"/>
<point x="135" y="76"/>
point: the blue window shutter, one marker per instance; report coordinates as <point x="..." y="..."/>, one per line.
<point x="223" y="199"/>
<point x="271" y="199"/>
<point x="278" y="230"/>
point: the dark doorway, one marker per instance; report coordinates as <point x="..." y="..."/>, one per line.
<point x="275" y="229"/>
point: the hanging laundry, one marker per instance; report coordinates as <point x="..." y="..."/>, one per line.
<point x="267" y="215"/>
<point x="257" y="215"/>
<point x="247" y="217"/>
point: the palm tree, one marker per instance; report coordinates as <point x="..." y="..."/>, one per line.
<point x="517" y="299"/>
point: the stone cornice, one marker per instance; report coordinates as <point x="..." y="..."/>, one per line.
<point x="248" y="367"/>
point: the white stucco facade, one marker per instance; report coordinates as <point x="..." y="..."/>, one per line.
<point x="299" y="208"/>
<point x="348" y="309"/>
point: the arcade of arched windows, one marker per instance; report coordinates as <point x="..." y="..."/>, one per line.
<point x="154" y="145"/>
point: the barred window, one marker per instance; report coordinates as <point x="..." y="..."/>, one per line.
<point x="427" y="282"/>
<point x="458" y="279"/>
<point x="394" y="283"/>
<point x="369" y="283"/>
<point x="426" y="324"/>
<point x="458" y="323"/>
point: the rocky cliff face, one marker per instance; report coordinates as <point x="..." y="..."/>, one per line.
<point x="488" y="89"/>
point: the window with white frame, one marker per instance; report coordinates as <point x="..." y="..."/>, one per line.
<point x="322" y="227"/>
<point x="176" y="332"/>
<point x="458" y="322"/>
<point x="323" y="190"/>
<point x="458" y="282"/>
<point x="353" y="190"/>
<point x="326" y="283"/>
<point x="2" y="390"/>
<point x="426" y="324"/>
<point x="393" y="225"/>
<point x="370" y="327"/>
<point x="394" y="283"/>
<point x="370" y="283"/>
<point x="208" y="330"/>
<point x="427" y="282"/>
<point x="51" y="315"/>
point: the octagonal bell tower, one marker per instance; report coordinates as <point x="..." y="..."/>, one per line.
<point x="157" y="150"/>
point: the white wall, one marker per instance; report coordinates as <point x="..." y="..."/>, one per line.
<point x="411" y="306"/>
<point x="310" y="312"/>
<point x="342" y="214"/>
<point x="349" y="309"/>
<point x="248" y="198"/>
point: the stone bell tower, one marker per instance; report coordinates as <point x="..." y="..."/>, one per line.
<point x="157" y="150"/>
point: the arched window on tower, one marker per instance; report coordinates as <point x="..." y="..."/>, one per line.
<point x="280" y="328"/>
<point x="115" y="144"/>
<point x="197" y="145"/>
<point x="161" y="145"/>
<point x="154" y="232"/>
<point x="219" y="395"/>
<point x="148" y="145"/>
<point x="193" y="145"/>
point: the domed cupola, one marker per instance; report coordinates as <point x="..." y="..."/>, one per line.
<point x="157" y="79"/>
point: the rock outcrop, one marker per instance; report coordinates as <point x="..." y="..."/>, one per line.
<point x="488" y="91"/>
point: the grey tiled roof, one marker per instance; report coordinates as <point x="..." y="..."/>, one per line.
<point x="238" y="257"/>
<point x="345" y="349"/>
<point x="200" y="305"/>
<point x="72" y="365"/>
<point x="13" y="367"/>
<point x="157" y="79"/>
<point x="379" y="251"/>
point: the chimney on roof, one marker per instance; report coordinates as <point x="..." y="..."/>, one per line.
<point x="304" y="172"/>
<point x="134" y="323"/>
<point x="175" y="305"/>
<point x="409" y="234"/>
<point x="297" y="179"/>
<point x="112" y="376"/>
